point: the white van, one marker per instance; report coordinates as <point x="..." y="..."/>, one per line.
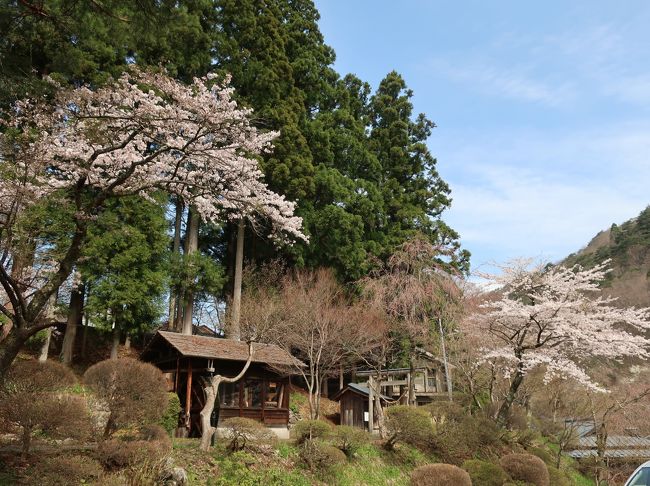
<point x="641" y="476"/>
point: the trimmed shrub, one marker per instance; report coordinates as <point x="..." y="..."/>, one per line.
<point x="311" y="429"/>
<point x="526" y="467"/>
<point x="543" y="454"/>
<point x="442" y="412"/>
<point x="440" y="475"/>
<point x="409" y="425"/>
<point x="169" y="420"/>
<point x="118" y="454"/>
<point x="34" y="397"/>
<point x="458" y="441"/>
<point x="349" y="439"/>
<point x="134" y="392"/>
<point x="65" y="470"/>
<point x="241" y="432"/>
<point x="155" y="432"/>
<point x="485" y="473"/>
<point x="320" y="456"/>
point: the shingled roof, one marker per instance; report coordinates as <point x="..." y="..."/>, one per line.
<point x="228" y="349"/>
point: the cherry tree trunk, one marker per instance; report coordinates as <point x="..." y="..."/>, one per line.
<point x="75" y="316"/>
<point x="504" y="410"/>
<point x="191" y="246"/>
<point x="9" y="349"/>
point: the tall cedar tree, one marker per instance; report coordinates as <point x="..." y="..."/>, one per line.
<point x="125" y="265"/>
<point x="360" y="197"/>
<point x="87" y="42"/>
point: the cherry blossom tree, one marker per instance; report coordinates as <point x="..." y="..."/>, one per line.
<point x="143" y="133"/>
<point x="552" y="317"/>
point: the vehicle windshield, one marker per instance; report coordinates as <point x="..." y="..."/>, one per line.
<point x="641" y="478"/>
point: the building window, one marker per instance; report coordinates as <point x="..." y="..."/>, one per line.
<point x="274" y="395"/>
<point x="229" y="395"/>
<point x="252" y="397"/>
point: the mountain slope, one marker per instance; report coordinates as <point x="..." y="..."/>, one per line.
<point x="628" y="248"/>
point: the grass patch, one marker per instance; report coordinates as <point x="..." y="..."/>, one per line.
<point x="239" y="468"/>
<point x="580" y="480"/>
<point x="369" y="468"/>
<point x="7" y="479"/>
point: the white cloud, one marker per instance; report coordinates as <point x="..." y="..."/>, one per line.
<point x="545" y="197"/>
<point x="511" y="82"/>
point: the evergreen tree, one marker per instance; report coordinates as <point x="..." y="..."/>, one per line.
<point x="414" y="193"/>
<point x="125" y="264"/>
<point x="87" y="42"/>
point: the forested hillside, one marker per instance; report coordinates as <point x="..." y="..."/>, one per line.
<point x="628" y="247"/>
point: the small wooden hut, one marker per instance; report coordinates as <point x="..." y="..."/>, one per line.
<point x="262" y="394"/>
<point x="355" y="406"/>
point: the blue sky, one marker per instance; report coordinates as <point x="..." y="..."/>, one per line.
<point x="543" y="110"/>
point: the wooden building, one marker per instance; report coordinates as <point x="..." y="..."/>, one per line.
<point x="262" y="394"/>
<point x="355" y="406"/>
<point x="427" y="377"/>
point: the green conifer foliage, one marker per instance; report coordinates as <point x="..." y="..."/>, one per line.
<point x="125" y="265"/>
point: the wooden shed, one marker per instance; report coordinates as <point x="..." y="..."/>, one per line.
<point x="355" y="406"/>
<point x="262" y="394"/>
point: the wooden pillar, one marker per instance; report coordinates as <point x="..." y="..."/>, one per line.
<point x="371" y="405"/>
<point x="178" y="372"/>
<point x="408" y="388"/>
<point x="188" y="398"/>
<point x="341" y="378"/>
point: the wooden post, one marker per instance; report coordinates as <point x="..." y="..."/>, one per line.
<point x="408" y="388"/>
<point x="426" y="380"/>
<point x="188" y="398"/>
<point x="341" y="378"/>
<point x="371" y="424"/>
<point x="178" y="372"/>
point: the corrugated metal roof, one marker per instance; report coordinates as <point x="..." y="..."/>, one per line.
<point x="218" y="348"/>
<point x="616" y="441"/>
<point x="622" y="453"/>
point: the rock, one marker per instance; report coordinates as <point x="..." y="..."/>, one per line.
<point x="177" y="477"/>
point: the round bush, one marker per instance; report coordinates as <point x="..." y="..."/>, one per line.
<point x="311" y="429"/>
<point x="241" y="432"/>
<point x="29" y="394"/>
<point x="485" y="473"/>
<point x="134" y="392"/>
<point x="155" y="432"/>
<point x="65" y="470"/>
<point x="320" y="456"/>
<point x="349" y="439"/>
<point x="117" y="454"/>
<point x="442" y="412"/>
<point x="440" y="475"/>
<point x="409" y="425"/>
<point x="526" y="467"/>
<point x="456" y="441"/>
